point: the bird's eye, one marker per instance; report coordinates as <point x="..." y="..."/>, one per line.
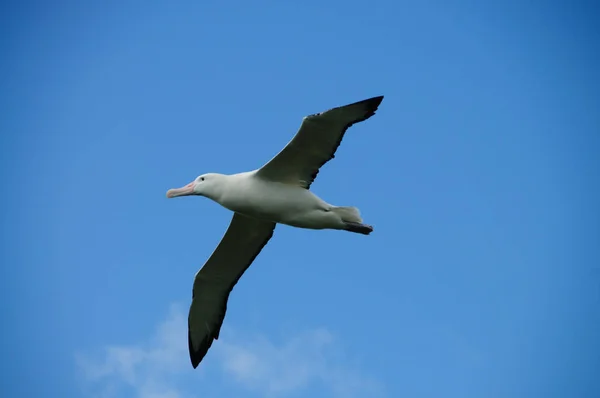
<point x="201" y="178"/>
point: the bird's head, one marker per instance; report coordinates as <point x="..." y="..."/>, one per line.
<point x="204" y="185"/>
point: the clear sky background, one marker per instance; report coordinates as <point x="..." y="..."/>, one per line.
<point x="479" y="173"/>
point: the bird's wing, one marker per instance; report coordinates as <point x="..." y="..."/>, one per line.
<point x="213" y="283"/>
<point x="315" y="143"/>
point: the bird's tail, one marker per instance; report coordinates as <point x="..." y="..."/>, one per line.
<point x="347" y="214"/>
<point x="352" y="220"/>
<point x="358" y="228"/>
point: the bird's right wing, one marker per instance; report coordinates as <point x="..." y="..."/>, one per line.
<point x="242" y="242"/>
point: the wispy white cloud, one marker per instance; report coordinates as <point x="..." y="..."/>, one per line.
<point x="308" y="358"/>
<point x="157" y="367"/>
<point x="149" y="369"/>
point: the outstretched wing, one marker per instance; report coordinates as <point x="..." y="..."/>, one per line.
<point x="213" y="283"/>
<point x="315" y="143"/>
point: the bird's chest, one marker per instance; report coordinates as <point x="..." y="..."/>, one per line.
<point x="268" y="201"/>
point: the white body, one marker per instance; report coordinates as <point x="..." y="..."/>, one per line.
<point x="250" y="195"/>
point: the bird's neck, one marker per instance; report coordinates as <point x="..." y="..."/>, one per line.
<point x="229" y="188"/>
<point x="218" y="188"/>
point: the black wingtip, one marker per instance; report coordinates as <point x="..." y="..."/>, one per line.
<point x="370" y="106"/>
<point x="193" y="356"/>
<point x="196" y="356"/>
<point x="375" y="102"/>
<point x="372" y="103"/>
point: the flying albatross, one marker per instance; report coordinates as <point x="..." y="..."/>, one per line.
<point x="278" y="192"/>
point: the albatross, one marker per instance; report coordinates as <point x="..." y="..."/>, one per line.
<point x="278" y="192"/>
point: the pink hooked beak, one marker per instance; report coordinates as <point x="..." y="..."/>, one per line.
<point x="184" y="191"/>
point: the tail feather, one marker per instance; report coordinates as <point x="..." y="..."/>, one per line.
<point x="358" y="228"/>
<point x="352" y="220"/>
<point x="348" y="214"/>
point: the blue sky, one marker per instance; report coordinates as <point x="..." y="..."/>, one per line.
<point x="479" y="172"/>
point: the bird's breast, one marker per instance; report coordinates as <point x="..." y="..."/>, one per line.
<point x="271" y="201"/>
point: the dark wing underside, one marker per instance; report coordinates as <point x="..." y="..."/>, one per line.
<point x="315" y="143"/>
<point x="242" y="242"/>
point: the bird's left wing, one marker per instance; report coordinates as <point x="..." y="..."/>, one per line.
<point x="315" y="143"/>
<point x="242" y="242"/>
